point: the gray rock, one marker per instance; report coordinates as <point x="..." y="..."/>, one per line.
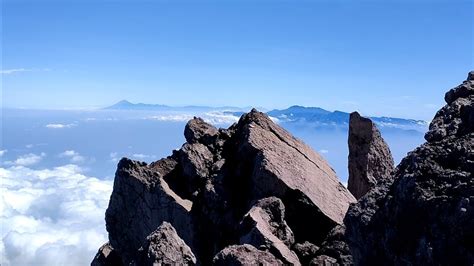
<point x="141" y="201"/>
<point x="305" y="251"/>
<point x="164" y="247"/>
<point x="335" y="246"/>
<point x="264" y="227"/>
<point x="280" y="165"/>
<point x="196" y="160"/>
<point x="369" y="156"/>
<point x="426" y="215"/>
<point x="244" y="255"/>
<point x="106" y="256"/>
<point x="198" y="131"/>
<point x="323" y="260"/>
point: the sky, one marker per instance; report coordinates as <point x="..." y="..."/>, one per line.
<point x="393" y="58"/>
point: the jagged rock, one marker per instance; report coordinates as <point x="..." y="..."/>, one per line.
<point x="280" y="165"/>
<point x="164" y="247"/>
<point x="198" y="131"/>
<point x="244" y="255"/>
<point x="335" y="246"/>
<point x="323" y="260"/>
<point x="369" y="156"/>
<point x="106" y="256"/>
<point x="196" y="159"/>
<point x="140" y="202"/>
<point x="264" y="227"/>
<point x="305" y="251"/>
<point x="426" y="215"/>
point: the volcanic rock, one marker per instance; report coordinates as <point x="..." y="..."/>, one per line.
<point x="323" y="260"/>
<point x="106" y="256"/>
<point x="164" y="247"/>
<point x="244" y="255"/>
<point x="198" y="131"/>
<point x="335" y="246"/>
<point x="305" y="251"/>
<point x="265" y="228"/>
<point x="424" y="216"/>
<point x="369" y="156"/>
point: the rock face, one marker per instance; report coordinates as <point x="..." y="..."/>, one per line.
<point x="251" y="184"/>
<point x="425" y="215"/>
<point x="244" y="255"/>
<point x="369" y="156"/>
<point x="165" y="247"/>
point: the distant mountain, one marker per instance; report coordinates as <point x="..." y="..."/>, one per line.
<point x="319" y="116"/>
<point x="126" y="105"/>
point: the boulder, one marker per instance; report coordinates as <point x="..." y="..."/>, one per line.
<point x="141" y="201"/>
<point x="198" y="131"/>
<point x="164" y="247"/>
<point x="335" y="246"/>
<point x="425" y="215"/>
<point x="244" y="255"/>
<point x="106" y="256"/>
<point x="323" y="260"/>
<point x="305" y="251"/>
<point x="369" y="156"/>
<point x="264" y="227"/>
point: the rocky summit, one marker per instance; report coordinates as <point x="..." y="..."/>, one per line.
<point x="252" y="194"/>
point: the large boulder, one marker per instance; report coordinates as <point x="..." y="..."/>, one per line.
<point x="164" y="247"/>
<point x="238" y="255"/>
<point x="369" y="156"/>
<point x="264" y="227"/>
<point x="426" y="215"/>
<point x="141" y="201"/>
<point x="107" y="256"/>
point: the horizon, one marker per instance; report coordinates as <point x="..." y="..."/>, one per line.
<point x="83" y="54"/>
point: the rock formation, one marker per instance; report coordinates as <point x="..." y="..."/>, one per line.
<point x="369" y="156"/>
<point x="425" y="214"/>
<point x="251" y="184"/>
<point x="244" y="255"/>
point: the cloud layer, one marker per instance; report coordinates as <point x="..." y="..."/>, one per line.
<point x="51" y="216"/>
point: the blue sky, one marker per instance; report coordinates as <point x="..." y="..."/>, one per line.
<point x="394" y="58"/>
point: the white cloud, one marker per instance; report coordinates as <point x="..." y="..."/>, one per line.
<point x="2" y="152"/>
<point x="74" y="156"/>
<point x="27" y="159"/>
<point x="142" y="156"/>
<point x="323" y="151"/>
<point x="215" y="117"/>
<point x="51" y="216"/>
<point x="19" y="70"/>
<point x="60" y="125"/>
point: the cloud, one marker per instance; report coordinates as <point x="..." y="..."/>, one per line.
<point x="74" y="156"/>
<point x="141" y="156"/>
<point x="51" y="216"/>
<point x="215" y="117"/>
<point x="2" y="152"/>
<point x="323" y="151"/>
<point x="27" y="159"/>
<point x="60" y="125"/>
<point x="19" y="70"/>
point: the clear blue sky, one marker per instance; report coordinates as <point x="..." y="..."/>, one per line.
<point x="392" y="58"/>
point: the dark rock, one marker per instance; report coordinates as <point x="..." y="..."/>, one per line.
<point x="244" y="255"/>
<point x="264" y="227"/>
<point x="305" y="251"/>
<point x="140" y="202"/>
<point x="335" y="246"/>
<point x="426" y="215"/>
<point x="196" y="160"/>
<point x="323" y="260"/>
<point x="164" y="247"/>
<point x="198" y="131"/>
<point x="107" y="256"/>
<point x="369" y="156"/>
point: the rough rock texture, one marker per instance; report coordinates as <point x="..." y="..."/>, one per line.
<point x="141" y="201"/>
<point x="335" y="246"/>
<point x="426" y="215"/>
<point x="264" y="227"/>
<point x="106" y="256"/>
<point x="323" y="260"/>
<point x="165" y="247"/>
<point x="218" y="177"/>
<point x="305" y="251"/>
<point x="369" y="156"/>
<point x="244" y="255"/>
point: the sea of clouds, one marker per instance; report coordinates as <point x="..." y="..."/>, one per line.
<point x="51" y="216"/>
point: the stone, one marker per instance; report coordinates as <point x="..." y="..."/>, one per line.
<point x="425" y="215"/>
<point x="280" y="165"/>
<point x="370" y="158"/>
<point x="323" y="260"/>
<point x="244" y="255"/>
<point x="164" y="247"/>
<point x="141" y="201"/>
<point x="305" y="251"/>
<point x="196" y="160"/>
<point x="335" y="246"/>
<point x="198" y="131"/>
<point x="106" y="256"/>
<point x="264" y="227"/>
